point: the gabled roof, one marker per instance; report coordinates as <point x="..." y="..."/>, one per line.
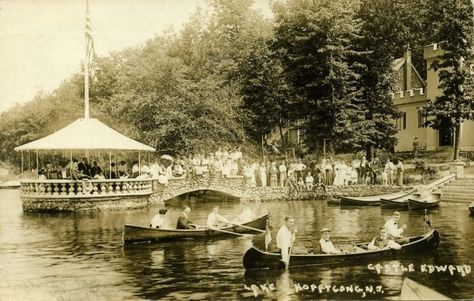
<point x="86" y="134"/>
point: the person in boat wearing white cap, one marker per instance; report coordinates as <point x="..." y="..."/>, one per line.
<point x="214" y="219"/>
<point x="326" y="244"/>
<point x="391" y="225"/>
<point x="158" y="220"/>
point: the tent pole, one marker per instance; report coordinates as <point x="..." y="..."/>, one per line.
<point x="21" y="164"/>
<point x="110" y="165"/>
<point x="139" y="167"/>
<point x="37" y="171"/>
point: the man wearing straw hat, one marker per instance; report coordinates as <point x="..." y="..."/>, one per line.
<point x="326" y="244"/>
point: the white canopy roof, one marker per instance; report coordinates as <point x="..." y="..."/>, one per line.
<point x="85" y="134"/>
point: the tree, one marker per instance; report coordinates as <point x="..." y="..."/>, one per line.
<point x="315" y="40"/>
<point x="454" y="29"/>
<point x="265" y="91"/>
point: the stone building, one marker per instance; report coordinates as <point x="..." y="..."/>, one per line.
<point x="413" y="92"/>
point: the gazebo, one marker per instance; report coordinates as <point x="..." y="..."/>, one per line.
<point x="84" y="134"/>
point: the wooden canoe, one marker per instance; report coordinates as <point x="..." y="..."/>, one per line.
<point x="412" y="290"/>
<point x="133" y="233"/>
<point x="398" y="202"/>
<point x="258" y="259"/>
<point x="373" y="200"/>
<point x="333" y="201"/>
<point x="424" y="202"/>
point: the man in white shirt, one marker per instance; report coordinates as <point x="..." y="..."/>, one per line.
<point x="309" y="182"/>
<point x="391" y="225"/>
<point x="326" y="244"/>
<point x="214" y="218"/>
<point x="285" y="238"/>
<point x="158" y="220"/>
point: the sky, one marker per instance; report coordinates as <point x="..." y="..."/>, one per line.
<point x="42" y="42"/>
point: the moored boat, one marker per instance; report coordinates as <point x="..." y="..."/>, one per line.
<point x="424" y="202"/>
<point x="333" y="201"/>
<point x="471" y="208"/>
<point x="412" y="290"/>
<point x="133" y="233"/>
<point x="399" y="204"/>
<point x="372" y="200"/>
<point x="258" y="259"/>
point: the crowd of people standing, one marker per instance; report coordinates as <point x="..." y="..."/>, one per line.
<point x="296" y="174"/>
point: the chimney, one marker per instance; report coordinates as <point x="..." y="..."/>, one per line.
<point x="408" y="70"/>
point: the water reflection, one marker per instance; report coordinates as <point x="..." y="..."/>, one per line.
<point x="54" y="256"/>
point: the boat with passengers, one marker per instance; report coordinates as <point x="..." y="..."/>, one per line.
<point x="255" y="258"/>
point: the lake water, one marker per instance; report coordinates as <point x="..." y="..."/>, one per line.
<point x="79" y="256"/>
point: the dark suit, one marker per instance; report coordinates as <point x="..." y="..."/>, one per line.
<point x="184" y="222"/>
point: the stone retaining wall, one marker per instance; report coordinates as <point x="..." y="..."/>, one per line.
<point x="90" y="204"/>
<point x="233" y="186"/>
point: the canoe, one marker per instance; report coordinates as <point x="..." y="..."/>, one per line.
<point x="132" y="233"/>
<point x="412" y="290"/>
<point x="424" y="202"/>
<point x="333" y="201"/>
<point x="258" y="259"/>
<point x="372" y="200"/>
<point x="398" y="202"/>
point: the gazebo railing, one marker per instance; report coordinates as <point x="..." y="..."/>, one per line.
<point x="85" y="188"/>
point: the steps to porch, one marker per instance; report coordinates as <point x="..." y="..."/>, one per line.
<point x="460" y="190"/>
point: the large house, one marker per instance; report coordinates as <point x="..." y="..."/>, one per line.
<point x="413" y="92"/>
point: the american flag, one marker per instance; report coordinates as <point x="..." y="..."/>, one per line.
<point x="89" y="39"/>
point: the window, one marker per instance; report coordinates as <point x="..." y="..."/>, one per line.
<point x="422" y="120"/>
<point x="402" y="121"/>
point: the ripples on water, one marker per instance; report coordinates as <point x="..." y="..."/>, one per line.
<point x="80" y="256"/>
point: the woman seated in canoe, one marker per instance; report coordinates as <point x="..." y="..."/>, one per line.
<point x="214" y="219"/>
<point x="383" y="241"/>
<point x="158" y="221"/>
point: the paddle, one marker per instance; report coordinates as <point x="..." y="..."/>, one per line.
<point x="225" y="231"/>
<point x="248" y="227"/>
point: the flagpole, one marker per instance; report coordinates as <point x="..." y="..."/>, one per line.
<point x="88" y="37"/>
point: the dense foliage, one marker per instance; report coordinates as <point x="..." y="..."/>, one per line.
<point x="454" y="27"/>
<point x="231" y="76"/>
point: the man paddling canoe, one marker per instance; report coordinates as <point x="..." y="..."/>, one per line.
<point x="391" y="225"/>
<point x="183" y="220"/>
<point x="285" y="238"/>
<point x="214" y="218"/>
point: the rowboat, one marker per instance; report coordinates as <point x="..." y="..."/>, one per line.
<point x="132" y="233"/>
<point x="400" y="202"/>
<point x="412" y="290"/>
<point x="372" y="200"/>
<point x="471" y="208"/>
<point x="333" y="201"/>
<point x="258" y="259"/>
<point x="424" y="202"/>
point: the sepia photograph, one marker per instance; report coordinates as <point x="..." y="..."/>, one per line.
<point x="236" y="150"/>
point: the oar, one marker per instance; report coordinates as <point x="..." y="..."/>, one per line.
<point x="248" y="227"/>
<point x="225" y="231"/>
